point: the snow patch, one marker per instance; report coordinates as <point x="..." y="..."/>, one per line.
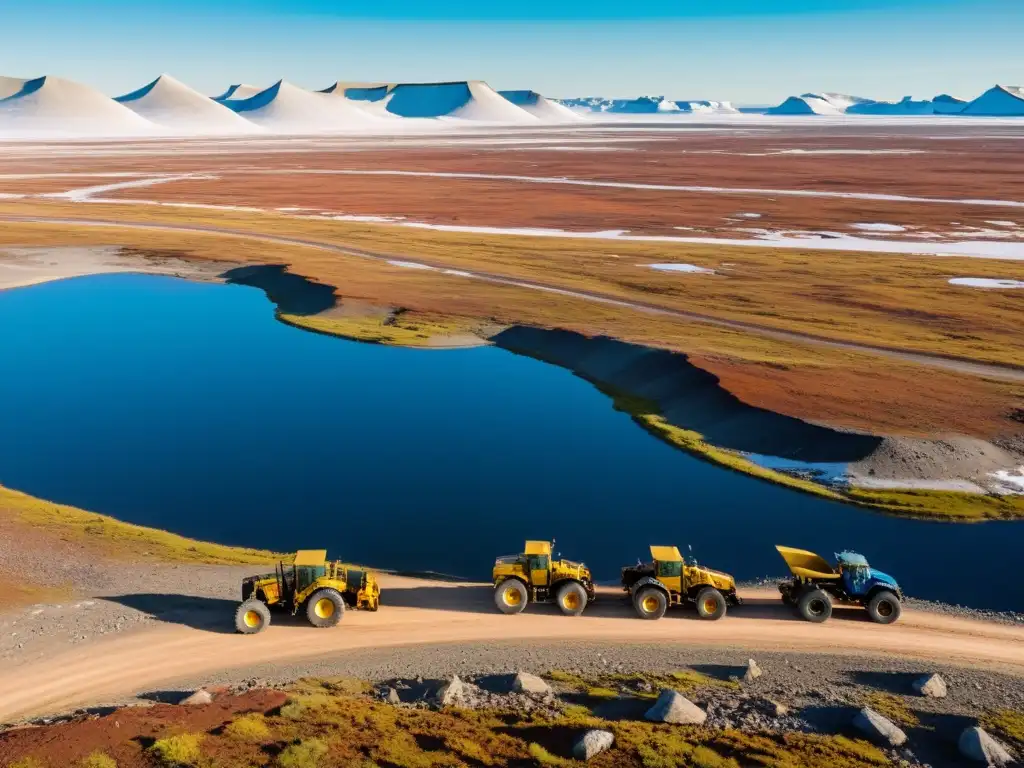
<point x="986" y="282"/>
<point x="1010" y="480"/>
<point x="879" y="227"/>
<point x="408" y="264"/>
<point x="691" y="268"/>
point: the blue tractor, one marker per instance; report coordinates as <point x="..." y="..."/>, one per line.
<point x="817" y="585"/>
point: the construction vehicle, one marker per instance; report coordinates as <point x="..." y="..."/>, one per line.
<point x="533" y="577"/>
<point x="816" y="585"/>
<point x="670" y="579"/>
<point x="310" y="584"/>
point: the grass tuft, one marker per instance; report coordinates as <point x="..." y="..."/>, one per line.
<point x="543" y="757"/>
<point x="181" y="751"/>
<point x="99" y="760"/>
<point x="250" y="727"/>
<point x="1007" y="723"/>
<point x="308" y="753"/>
<point x="893" y="708"/>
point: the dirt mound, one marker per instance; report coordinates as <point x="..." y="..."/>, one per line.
<point x="966" y="459"/>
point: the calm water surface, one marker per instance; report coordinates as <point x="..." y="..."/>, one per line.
<point x="189" y="407"/>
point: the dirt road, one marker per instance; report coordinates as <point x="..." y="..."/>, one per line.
<point x="951" y="363"/>
<point x="417" y="611"/>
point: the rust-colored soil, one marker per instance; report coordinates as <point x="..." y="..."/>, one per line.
<point x="125" y="734"/>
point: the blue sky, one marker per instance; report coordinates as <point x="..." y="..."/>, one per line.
<point x="748" y="51"/>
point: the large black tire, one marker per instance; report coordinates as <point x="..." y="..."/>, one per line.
<point x="814" y="605"/>
<point x="251" y="617"/>
<point x="510" y="596"/>
<point x="884" y="607"/>
<point x="650" y="603"/>
<point x="572" y="598"/>
<point x="325" y="608"/>
<point x="711" y="604"/>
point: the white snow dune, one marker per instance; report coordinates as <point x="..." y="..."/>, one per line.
<point x="239" y="91"/>
<point x="487" y="105"/>
<point x="173" y="105"/>
<point x="543" y="109"/>
<point x="286" y="108"/>
<point x="53" y="107"/>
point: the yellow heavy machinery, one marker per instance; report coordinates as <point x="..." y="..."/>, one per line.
<point x="311" y="584"/>
<point x="533" y="577"/>
<point x="669" y="579"/>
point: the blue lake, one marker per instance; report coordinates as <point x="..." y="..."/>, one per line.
<point x="188" y="407"/>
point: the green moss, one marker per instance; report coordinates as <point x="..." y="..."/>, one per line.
<point x="300" y="705"/>
<point x="892" y="707"/>
<point x="1008" y="723"/>
<point x="543" y="757"/>
<point x="179" y="751"/>
<point x="308" y="753"/>
<point x="116" y="538"/>
<point x="599" y="692"/>
<point x="396" y="329"/>
<point x="26" y="762"/>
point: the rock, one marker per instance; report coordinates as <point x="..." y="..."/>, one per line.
<point x="879" y="729"/>
<point x="975" y="744"/>
<point x="391" y="696"/>
<point x="451" y="692"/>
<point x="200" y="697"/>
<point x="776" y="708"/>
<point x="753" y="671"/>
<point x="672" y="707"/>
<point x="527" y="683"/>
<point x="592" y="743"/>
<point x="932" y="686"/>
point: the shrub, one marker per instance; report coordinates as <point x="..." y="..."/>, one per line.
<point x="303" y="754"/>
<point x="176" y="751"/>
<point x="99" y="760"/>
<point x="251" y="727"/>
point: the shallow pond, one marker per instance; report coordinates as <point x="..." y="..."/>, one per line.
<point x="188" y="407"/>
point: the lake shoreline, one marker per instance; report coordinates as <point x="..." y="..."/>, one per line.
<point x="604" y="363"/>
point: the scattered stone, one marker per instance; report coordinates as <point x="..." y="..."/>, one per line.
<point x="451" y="692"/>
<point x="200" y="697"/>
<point x="975" y="744"/>
<point x="878" y="728"/>
<point x="673" y="707"/>
<point x="753" y="671"/>
<point x="527" y="683"/>
<point x="932" y="686"/>
<point x="592" y="743"/>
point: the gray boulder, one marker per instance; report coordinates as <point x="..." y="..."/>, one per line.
<point x="452" y="692"/>
<point x="197" y="699"/>
<point x="879" y="729"/>
<point x="673" y="707"/>
<point x="975" y="744"/>
<point x="932" y="686"/>
<point x="592" y="743"/>
<point x="527" y="683"/>
<point x="753" y="671"/>
<point x="391" y="696"/>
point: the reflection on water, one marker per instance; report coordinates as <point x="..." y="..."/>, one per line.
<point x="188" y="407"/>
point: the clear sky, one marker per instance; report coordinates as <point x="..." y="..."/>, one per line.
<point x="747" y="51"/>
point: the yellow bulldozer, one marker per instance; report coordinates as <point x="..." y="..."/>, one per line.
<point x="670" y="579"/>
<point x="533" y="577"/>
<point x="309" y="584"/>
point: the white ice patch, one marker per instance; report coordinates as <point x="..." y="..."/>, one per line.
<point x="408" y="264"/>
<point x="1010" y="481"/>
<point x="986" y="282"/>
<point x="1011" y="224"/>
<point x="679" y="268"/>
<point x="879" y="227"/>
<point x="84" y="194"/>
<point x="748" y="215"/>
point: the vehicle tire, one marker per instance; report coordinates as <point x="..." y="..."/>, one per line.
<point x="711" y="604"/>
<point x="884" y="607"/>
<point x="814" y="605"/>
<point x="510" y="596"/>
<point x="325" y="608"/>
<point x="251" y="617"/>
<point x="650" y="603"/>
<point x="572" y="598"/>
